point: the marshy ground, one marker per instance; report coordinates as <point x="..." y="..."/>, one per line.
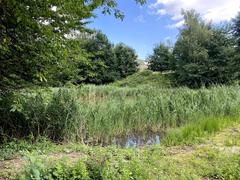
<point x="199" y="132"/>
<point x="215" y="157"/>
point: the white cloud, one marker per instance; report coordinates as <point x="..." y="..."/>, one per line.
<point x="162" y="11"/>
<point x="175" y="25"/>
<point x="211" y="10"/>
<point x="140" y="19"/>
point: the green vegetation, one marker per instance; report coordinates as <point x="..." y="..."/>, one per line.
<point x="104" y="62"/>
<point x="48" y="44"/>
<point x="236" y="29"/>
<point x="53" y="122"/>
<point x="96" y="114"/>
<point x="193" y="132"/>
<point x="41" y="42"/>
<point x="217" y="157"/>
<point x="162" y="59"/>
<point x="203" y="54"/>
<point x="147" y="78"/>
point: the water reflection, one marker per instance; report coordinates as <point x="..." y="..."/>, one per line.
<point x="137" y="140"/>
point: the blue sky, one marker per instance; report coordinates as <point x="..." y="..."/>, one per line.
<point x="158" y="21"/>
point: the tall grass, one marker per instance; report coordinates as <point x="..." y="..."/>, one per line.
<point x="96" y="113"/>
<point x="194" y="132"/>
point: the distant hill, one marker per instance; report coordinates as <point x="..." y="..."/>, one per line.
<point x="146" y="78"/>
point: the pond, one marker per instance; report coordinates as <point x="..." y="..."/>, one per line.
<point x="136" y="140"/>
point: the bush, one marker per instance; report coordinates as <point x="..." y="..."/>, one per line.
<point x="40" y="114"/>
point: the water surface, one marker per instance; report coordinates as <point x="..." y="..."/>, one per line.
<point x="136" y="140"/>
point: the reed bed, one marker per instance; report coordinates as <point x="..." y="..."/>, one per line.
<point x="98" y="113"/>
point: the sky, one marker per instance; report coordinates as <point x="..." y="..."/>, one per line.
<point x="158" y="21"/>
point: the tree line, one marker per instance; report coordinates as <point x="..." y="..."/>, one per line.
<point x="35" y="48"/>
<point x="47" y="43"/>
<point x="203" y="54"/>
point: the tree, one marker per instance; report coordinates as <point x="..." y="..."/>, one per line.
<point x="205" y="55"/>
<point x="66" y="61"/>
<point x="190" y="52"/>
<point x="31" y="31"/>
<point x="126" y="60"/>
<point x="236" y="60"/>
<point x="236" y="29"/>
<point x="101" y="59"/>
<point x="221" y="53"/>
<point x="162" y="58"/>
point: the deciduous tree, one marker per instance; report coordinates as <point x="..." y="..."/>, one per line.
<point x="162" y="58"/>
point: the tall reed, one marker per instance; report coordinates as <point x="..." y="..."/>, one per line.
<point x="94" y="113"/>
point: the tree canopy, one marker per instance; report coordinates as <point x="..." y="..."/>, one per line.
<point x="203" y="53"/>
<point x="236" y="29"/>
<point x="126" y="60"/>
<point x="47" y="43"/>
<point x="33" y="39"/>
<point x="162" y="58"/>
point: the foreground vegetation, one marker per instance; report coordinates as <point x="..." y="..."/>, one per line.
<point x="216" y="157"/>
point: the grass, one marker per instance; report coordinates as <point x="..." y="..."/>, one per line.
<point x="147" y="78"/>
<point x="192" y="133"/>
<point x="95" y="114"/>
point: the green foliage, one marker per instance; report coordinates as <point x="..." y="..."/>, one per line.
<point x="221" y="53"/>
<point x="101" y="66"/>
<point x="100" y="61"/>
<point x="40" y="115"/>
<point x="206" y="158"/>
<point x="61" y="170"/>
<point x="16" y="148"/>
<point x="235" y="63"/>
<point x="146" y="78"/>
<point x="126" y="60"/>
<point x="236" y="29"/>
<point x="190" y="51"/>
<point x="204" y="55"/>
<point x="33" y="39"/>
<point x="162" y="59"/>
<point x="29" y="45"/>
<point x="106" y="167"/>
<point x="96" y="114"/>
<point x="193" y="132"/>
<point x="145" y="163"/>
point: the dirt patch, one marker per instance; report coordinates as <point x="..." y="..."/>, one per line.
<point x="180" y="150"/>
